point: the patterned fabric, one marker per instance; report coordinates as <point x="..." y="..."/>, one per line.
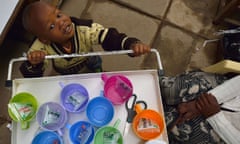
<point x="188" y="86"/>
<point x="183" y="88"/>
<point x="195" y="131"/>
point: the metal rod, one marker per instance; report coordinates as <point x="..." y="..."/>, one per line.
<point x="81" y="55"/>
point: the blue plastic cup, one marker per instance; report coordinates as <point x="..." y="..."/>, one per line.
<point x="81" y="132"/>
<point x="47" y="137"/>
<point x="100" y="111"/>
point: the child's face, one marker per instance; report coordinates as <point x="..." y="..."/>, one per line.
<point x="53" y="26"/>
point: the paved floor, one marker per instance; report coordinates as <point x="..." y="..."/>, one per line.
<point x="176" y="28"/>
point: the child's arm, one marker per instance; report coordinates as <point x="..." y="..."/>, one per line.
<point x="109" y="38"/>
<point x="113" y="40"/>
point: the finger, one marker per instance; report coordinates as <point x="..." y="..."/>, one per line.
<point x="198" y="105"/>
<point x="42" y="55"/>
<point x="188" y="116"/>
<point x="200" y="102"/>
<point x="147" y="48"/>
<point x="211" y="99"/>
<point x="211" y="95"/>
<point x="207" y="98"/>
<point x="135" y="50"/>
<point x="204" y="99"/>
<point x="179" y="120"/>
<point x="182" y="108"/>
<point x="141" y="48"/>
<point x="36" y="57"/>
<point x="31" y="57"/>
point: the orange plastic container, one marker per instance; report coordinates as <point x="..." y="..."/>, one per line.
<point x="151" y="115"/>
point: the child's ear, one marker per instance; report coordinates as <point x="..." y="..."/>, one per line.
<point x="45" y="41"/>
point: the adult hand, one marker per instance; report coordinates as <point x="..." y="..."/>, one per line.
<point x="188" y="110"/>
<point x="207" y="105"/>
<point x="140" y="48"/>
<point x="36" y="57"/>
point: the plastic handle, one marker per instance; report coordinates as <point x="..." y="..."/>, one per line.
<point x="116" y="124"/>
<point x="104" y="77"/>
<point x="60" y="132"/>
<point x="68" y="126"/>
<point x="61" y="84"/>
<point x="138" y="108"/>
<point x="25" y="124"/>
<point x="101" y="93"/>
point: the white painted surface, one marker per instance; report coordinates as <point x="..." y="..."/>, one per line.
<point x="145" y="86"/>
<point x="6" y="10"/>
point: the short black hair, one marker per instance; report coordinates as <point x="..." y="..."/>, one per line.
<point x="28" y="13"/>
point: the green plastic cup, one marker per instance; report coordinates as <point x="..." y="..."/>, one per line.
<point x="22" y="108"/>
<point x="109" y="135"/>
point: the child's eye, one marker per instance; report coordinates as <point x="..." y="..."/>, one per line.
<point x="59" y="15"/>
<point x="52" y="26"/>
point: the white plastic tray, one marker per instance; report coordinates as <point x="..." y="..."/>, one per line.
<point x="145" y="86"/>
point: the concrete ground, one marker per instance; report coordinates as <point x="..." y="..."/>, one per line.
<point x="176" y="28"/>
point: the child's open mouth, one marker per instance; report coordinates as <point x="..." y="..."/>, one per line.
<point x="68" y="29"/>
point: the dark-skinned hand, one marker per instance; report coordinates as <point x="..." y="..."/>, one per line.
<point x="140" y="48"/>
<point x="36" y="57"/>
<point x="188" y="111"/>
<point x="207" y="105"/>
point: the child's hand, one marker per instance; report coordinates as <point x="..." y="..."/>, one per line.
<point x="36" y="57"/>
<point x="140" y="48"/>
<point x="207" y="105"/>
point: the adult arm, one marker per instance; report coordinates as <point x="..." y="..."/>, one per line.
<point x="224" y="128"/>
<point x="226" y="94"/>
<point x="208" y="106"/>
<point x="230" y="89"/>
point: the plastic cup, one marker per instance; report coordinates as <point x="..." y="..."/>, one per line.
<point x="74" y="97"/>
<point x="52" y="116"/>
<point x="109" y="135"/>
<point x="117" y="88"/>
<point x="153" y="120"/>
<point x="47" y="137"/>
<point x="22" y="108"/>
<point x="81" y="132"/>
<point x="100" y="111"/>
